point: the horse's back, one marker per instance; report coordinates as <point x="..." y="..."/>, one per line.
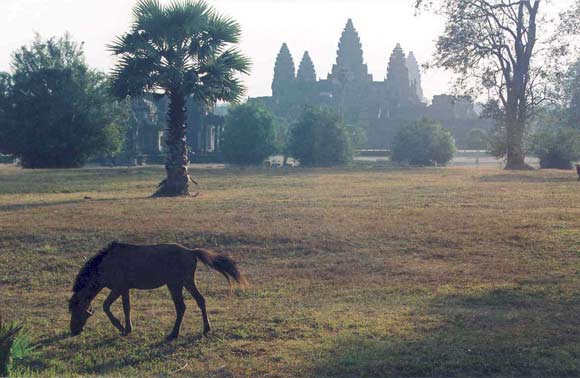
<point x="148" y="266"/>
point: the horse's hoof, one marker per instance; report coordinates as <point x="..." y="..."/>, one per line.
<point x="206" y="332"/>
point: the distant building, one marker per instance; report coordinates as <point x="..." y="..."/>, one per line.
<point x="145" y="140"/>
<point x="380" y="107"/>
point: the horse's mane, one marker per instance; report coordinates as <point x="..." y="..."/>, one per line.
<point x="90" y="268"/>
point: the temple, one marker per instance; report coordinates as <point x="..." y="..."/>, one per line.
<point x="148" y="121"/>
<point x="379" y="107"/>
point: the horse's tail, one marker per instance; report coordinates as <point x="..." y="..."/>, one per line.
<point x="222" y="264"/>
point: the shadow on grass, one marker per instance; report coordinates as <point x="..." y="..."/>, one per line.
<point x="159" y="351"/>
<point x="530" y="178"/>
<point x="53" y="339"/>
<point x="39" y="205"/>
<point x="501" y="333"/>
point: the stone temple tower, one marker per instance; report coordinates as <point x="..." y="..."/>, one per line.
<point x="415" y="75"/>
<point x="306" y="71"/>
<point x="398" y="86"/>
<point x="284" y="73"/>
<point x="350" y="61"/>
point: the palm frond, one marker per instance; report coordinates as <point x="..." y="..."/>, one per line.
<point x="223" y="29"/>
<point x="186" y="44"/>
<point x="147" y="9"/>
<point x="133" y="76"/>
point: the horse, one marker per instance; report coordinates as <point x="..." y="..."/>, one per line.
<point x="121" y="267"/>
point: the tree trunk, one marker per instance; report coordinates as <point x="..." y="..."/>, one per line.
<point x="516" y="124"/>
<point x="515" y="146"/>
<point x="176" y="166"/>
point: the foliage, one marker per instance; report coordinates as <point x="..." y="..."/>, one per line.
<point x="497" y="137"/>
<point x="5" y="108"/>
<point x="554" y="141"/>
<point x="249" y="135"/>
<point x="185" y="45"/>
<point x="320" y="139"/>
<point x="14" y="346"/>
<point x="184" y="48"/>
<point x="59" y="112"/>
<point x="492" y="45"/>
<point x="557" y="149"/>
<point x="423" y="144"/>
<point x="572" y="95"/>
<point x="357" y="135"/>
<point x="478" y="139"/>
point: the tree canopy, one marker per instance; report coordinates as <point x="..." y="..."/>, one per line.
<point x="320" y="139"/>
<point x="57" y="113"/>
<point x="423" y="143"/>
<point x="249" y="135"/>
<point x="495" y="42"/>
<point x="184" y="48"/>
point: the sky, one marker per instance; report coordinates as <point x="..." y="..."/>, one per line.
<point x="306" y="25"/>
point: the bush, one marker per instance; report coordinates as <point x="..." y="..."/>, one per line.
<point x="423" y="144"/>
<point x="59" y="112"/>
<point x="249" y="135"/>
<point x="320" y="139"/>
<point x="14" y="346"/>
<point x="557" y="149"/>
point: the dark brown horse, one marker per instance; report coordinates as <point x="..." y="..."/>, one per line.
<point x="122" y="267"/>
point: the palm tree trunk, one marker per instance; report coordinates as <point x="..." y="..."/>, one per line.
<point x="177" y="161"/>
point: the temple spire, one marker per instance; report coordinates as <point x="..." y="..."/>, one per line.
<point x="284" y="72"/>
<point x="306" y="71"/>
<point x="350" y="61"/>
<point x="398" y="75"/>
<point x="415" y="75"/>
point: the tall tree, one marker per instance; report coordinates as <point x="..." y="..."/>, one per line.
<point x="181" y="49"/>
<point x="284" y="72"/>
<point x="306" y="71"/>
<point x="59" y="112"/>
<point x="5" y="105"/>
<point x="495" y="41"/>
<point x="572" y="96"/>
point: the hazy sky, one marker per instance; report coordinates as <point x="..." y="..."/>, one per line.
<point x="313" y="25"/>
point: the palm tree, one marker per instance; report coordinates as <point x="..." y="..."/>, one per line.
<point x="181" y="49"/>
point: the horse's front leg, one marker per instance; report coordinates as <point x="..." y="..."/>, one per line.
<point x="177" y="296"/>
<point x="127" y="311"/>
<point x="113" y="296"/>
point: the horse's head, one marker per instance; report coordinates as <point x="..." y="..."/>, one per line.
<point x="80" y="312"/>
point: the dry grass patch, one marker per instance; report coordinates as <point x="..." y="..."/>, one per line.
<point x="355" y="272"/>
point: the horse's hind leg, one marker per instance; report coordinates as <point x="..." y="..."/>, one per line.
<point x="201" y="303"/>
<point x="177" y="296"/>
<point x="127" y="311"/>
<point x="113" y="296"/>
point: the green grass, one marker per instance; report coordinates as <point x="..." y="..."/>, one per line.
<point x="360" y="272"/>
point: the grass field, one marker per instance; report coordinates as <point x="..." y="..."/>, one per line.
<point x="362" y="272"/>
